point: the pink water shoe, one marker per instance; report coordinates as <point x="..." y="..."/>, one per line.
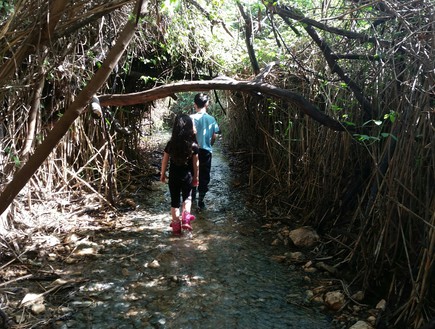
<point x="176" y="227"/>
<point x="186" y="218"/>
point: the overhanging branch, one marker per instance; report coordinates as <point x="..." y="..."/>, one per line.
<point x="222" y="84"/>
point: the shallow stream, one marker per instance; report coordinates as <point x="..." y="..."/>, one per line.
<point x="223" y="276"/>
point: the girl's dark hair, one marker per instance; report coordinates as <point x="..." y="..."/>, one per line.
<point x="182" y="139"/>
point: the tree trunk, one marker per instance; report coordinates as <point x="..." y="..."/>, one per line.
<point x="33" y="113"/>
<point x="249" y="39"/>
<point x="23" y="175"/>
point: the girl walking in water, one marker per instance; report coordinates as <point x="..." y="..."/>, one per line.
<point x="181" y="152"/>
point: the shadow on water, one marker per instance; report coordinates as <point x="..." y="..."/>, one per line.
<point x="144" y="277"/>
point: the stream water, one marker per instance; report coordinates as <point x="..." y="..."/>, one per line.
<point x="220" y="277"/>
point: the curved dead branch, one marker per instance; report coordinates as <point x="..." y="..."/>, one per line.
<point x="293" y="13"/>
<point x="222" y="84"/>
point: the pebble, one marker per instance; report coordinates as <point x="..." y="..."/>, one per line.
<point x="382" y="305"/>
<point x="154" y="264"/>
<point x="334" y="300"/>
<point x="37" y="309"/>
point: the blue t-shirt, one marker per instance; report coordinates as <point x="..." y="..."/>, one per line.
<point x="205" y="126"/>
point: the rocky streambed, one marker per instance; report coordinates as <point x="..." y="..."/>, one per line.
<point x="128" y="271"/>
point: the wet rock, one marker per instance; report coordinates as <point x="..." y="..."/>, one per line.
<point x="356" y="309"/>
<point x="382" y="305"/>
<point x="309" y="268"/>
<point x="51" y="257"/>
<point x="86" y="251"/>
<point x="174" y="278"/>
<point x="275" y="242"/>
<point x="295" y="256"/>
<point x="372" y="320"/>
<point x="304" y="237"/>
<point x="154" y="264"/>
<point x="31" y="299"/>
<point x="358" y="296"/>
<point x="37" y="309"/>
<point x="309" y="294"/>
<point x="334" y="300"/>
<point x="361" y="325"/>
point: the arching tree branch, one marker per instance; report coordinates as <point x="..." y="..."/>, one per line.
<point x="223" y="84"/>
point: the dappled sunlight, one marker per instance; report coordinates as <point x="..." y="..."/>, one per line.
<point x="133" y="273"/>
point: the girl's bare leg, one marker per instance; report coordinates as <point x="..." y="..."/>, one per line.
<point x="176" y="223"/>
<point x="175" y="213"/>
<point x="187" y="205"/>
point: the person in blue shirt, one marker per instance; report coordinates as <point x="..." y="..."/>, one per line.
<point x="206" y="129"/>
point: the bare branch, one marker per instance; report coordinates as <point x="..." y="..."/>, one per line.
<point x="222" y="84"/>
<point x="288" y="12"/>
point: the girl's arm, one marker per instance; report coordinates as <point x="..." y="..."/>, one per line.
<point x="165" y="161"/>
<point x="195" y="160"/>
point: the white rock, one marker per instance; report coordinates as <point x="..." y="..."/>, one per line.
<point x="382" y="305"/>
<point x="334" y="300"/>
<point x="154" y="264"/>
<point x="37" y="309"/>
<point x="371" y="319"/>
<point x="31" y="298"/>
<point x="358" y="296"/>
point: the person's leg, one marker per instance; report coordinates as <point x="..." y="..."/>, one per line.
<point x="175" y="214"/>
<point x="187" y="199"/>
<point x="175" y="190"/>
<point x="186" y="192"/>
<point x="204" y="175"/>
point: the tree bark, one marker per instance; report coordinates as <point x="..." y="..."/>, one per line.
<point x="222" y="84"/>
<point x="33" y="112"/>
<point x="249" y="39"/>
<point x="23" y="175"/>
<point x="293" y="13"/>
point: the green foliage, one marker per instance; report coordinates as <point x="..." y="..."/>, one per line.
<point x="196" y="37"/>
<point x="13" y="156"/>
<point x="183" y="104"/>
<point x="6" y="6"/>
<point x="392" y="115"/>
<point x="378" y="133"/>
